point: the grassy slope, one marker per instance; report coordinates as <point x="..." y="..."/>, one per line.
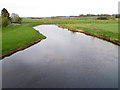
<point x="18" y="36"/>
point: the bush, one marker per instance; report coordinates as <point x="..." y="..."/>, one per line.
<point x="5" y="21"/>
<point x="19" y="20"/>
<point x="102" y="18"/>
<point x="117" y="16"/>
<point x="15" y="18"/>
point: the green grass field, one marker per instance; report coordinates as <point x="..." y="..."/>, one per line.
<point x="20" y="35"/>
<point x="69" y="21"/>
<point x="107" y="29"/>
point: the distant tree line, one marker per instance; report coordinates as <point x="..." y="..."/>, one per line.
<point x="100" y="16"/>
<point x="116" y="15"/>
<point x="7" y="20"/>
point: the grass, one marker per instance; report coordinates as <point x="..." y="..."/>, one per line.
<point x="20" y="35"/>
<point x="107" y="29"/>
<point x="69" y="21"/>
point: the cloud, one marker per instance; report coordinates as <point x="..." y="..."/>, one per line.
<point x="41" y="8"/>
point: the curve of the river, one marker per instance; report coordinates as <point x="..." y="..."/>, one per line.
<point x="63" y="60"/>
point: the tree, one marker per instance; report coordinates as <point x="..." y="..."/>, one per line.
<point x="4" y="13"/>
<point x="5" y="18"/>
<point x="15" y="18"/>
<point x="117" y="16"/>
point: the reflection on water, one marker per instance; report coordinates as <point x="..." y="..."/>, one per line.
<point x="63" y="60"/>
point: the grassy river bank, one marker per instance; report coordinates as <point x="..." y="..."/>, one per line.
<point x="17" y="37"/>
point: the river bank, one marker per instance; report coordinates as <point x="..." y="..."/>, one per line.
<point x="116" y="42"/>
<point x="19" y="37"/>
<point x="19" y="49"/>
<point x="105" y="31"/>
<point x="16" y="38"/>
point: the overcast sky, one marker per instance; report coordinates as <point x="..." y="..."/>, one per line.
<point x="44" y="8"/>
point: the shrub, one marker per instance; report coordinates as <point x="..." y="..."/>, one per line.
<point x="117" y="16"/>
<point x="5" y="21"/>
<point x="102" y="18"/>
<point x="15" y="18"/>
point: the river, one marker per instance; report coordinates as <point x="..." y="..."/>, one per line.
<point x="64" y="59"/>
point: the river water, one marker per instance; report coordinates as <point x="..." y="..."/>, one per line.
<point x="64" y="59"/>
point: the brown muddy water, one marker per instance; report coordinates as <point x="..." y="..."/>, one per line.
<point x="63" y="60"/>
